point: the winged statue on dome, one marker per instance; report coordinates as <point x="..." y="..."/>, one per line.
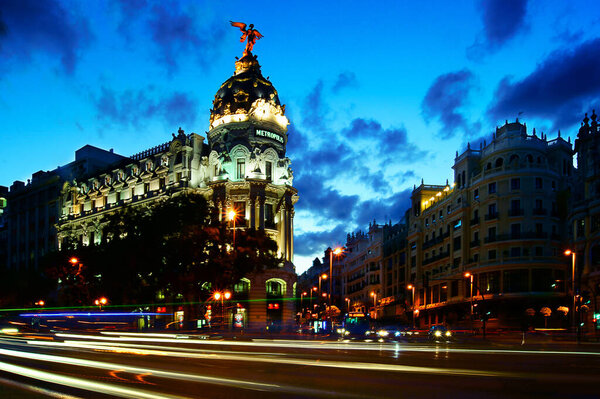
<point x="250" y="34"/>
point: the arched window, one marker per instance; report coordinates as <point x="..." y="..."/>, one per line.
<point x="513" y="158"/>
<point x="499" y="162"/>
<point x="489" y="166"/>
<point x="529" y="158"/>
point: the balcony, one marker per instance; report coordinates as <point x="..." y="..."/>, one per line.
<point x="475" y="243"/>
<point x="540" y="212"/>
<point x="515" y="212"/>
<point x="491" y="216"/>
<point x="475" y="221"/>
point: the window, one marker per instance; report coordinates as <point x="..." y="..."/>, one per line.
<point x="515" y="184"/>
<point x="269" y="220"/>
<point x="515" y="252"/>
<point x="492" y="254"/>
<point x="492" y="188"/>
<point x="492" y="234"/>
<point x="539" y="251"/>
<point x="492" y="211"/>
<point x="269" y="170"/>
<point x="515" y="230"/>
<point x="146" y="187"/>
<point x="539" y="229"/>
<point x="476" y="194"/>
<point x="241" y="169"/>
<point x="457" y="241"/>
<point x="539" y="204"/>
<point x="515" y="206"/>
<point x="240" y="210"/>
<point x="539" y="183"/>
<point x="553" y="185"/>
<point x="457" y="224"/>
<point x="516" y="280"/>
<point x="454" y="288"/>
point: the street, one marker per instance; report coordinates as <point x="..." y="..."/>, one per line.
<point x="133" y="365"/>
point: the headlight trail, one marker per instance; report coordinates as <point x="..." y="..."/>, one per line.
<point x="229" y="382"/>
<point x="80" y="383"/>
<point x="256" y="359"/>
<point x="298" y="344"/>
<point x="37" y="390"/>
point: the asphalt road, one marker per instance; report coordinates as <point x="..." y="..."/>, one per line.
<point x="83" y="365"/>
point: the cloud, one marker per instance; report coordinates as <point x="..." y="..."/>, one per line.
<point x="444" y="100"/>
<point x="176" y="32"/>
<point x="502" y="20"/>
<point x="346" y="79"/>
<point x="560" y="89"/>
<point x="382" y="210"/>
<point x="311" y="243"/>
<point x="314" y="110"/>
<point x="133" y="108"/>
<point x="327" y="202"/>
<point x="28" y="27"/>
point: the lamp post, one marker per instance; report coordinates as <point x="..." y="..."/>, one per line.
<point x="232" y="214"/>
<point x="321" y="277"/>
<point x="218" y="296"/>
<point x="374" y="295"/>
<point x="101" y="302"/>
<point x="412" y="288"/>
<point x="571" y="253"/>
<point x="470" y="277"/>
<point x="313" y="289"/>
<point x="302" y="296"/>
<point x="348" y="304"/>
<point x="337" y="252"/>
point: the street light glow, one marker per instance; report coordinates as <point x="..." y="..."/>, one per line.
<point x="324" y="276"/>
<point x="568" y="252"/>
<point x="231" y="214"/>
<point x="74" y="260"/>
<point x="227" y="294"/>
<point x="337" y="251"/>
<point x="467" y="274"/>
<point x="217" y="295"/>
<point x="103" y="300"/>
<point x="410" y="286"/>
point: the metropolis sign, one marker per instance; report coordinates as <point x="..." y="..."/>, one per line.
<point x="270" y="135"/>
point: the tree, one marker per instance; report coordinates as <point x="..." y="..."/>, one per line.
<point x="177" y="246"/>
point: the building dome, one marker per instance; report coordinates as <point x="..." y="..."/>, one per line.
<point x="243" y="93"/>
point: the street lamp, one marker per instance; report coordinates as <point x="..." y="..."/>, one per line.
<point x="337" y="252"/>
<point x="571" y="253"/>
<point x="470" y="277"/>
<point x="374" y="295"/>
<point x="348" y="304"/>
<point x="311" y="294"/>
<point x="101" y="302"/>
<point x="218" y="296"/>
<point x="412" y="288"/>
<point x="321" y="277"/>
<point x="302" y="296"/>
<point x="231" y="215"/>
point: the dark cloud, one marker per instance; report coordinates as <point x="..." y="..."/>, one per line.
<point x="32" y="26"/>
<point x="177" y="32"/>
<point x="346" y="79"/>
<point x="311" y="243"/>
<point x="384" y="209"/>
<point x="502" y="20"/>
<point x="324" y="201"/>
<point x="134" y="108"/>
<point x="444" y="100"/>
<point x="314" y="111"/>
<point x="560" y="89"/>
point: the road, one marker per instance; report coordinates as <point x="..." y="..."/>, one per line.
<point x="131" y="365"/>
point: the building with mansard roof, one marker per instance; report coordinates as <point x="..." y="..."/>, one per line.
<point x="241" y="164"/>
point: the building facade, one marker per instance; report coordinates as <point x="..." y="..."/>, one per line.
<point x="32" y="209"/>
<point x="584" y="221"/>
<point x="240" y="166"/>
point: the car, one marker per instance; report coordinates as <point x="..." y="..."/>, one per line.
<point x="440" y="333"/>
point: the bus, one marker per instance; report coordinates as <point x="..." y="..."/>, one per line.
<point x="355" y="325"/>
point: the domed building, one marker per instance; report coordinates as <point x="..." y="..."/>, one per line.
<point x="242" y="167"/>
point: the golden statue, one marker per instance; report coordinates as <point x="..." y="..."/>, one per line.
<point x="251" y="34"/>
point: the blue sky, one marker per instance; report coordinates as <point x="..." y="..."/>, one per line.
<point x="379" y="94"/>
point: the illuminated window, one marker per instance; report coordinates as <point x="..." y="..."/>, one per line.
<point x="241" y="168"/>
<point x="269" y="170"/>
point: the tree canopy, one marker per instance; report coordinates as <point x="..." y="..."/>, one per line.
<point x="177" y="247"/>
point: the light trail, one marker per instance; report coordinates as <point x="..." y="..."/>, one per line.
<point x="80" y="383"/>
<point x="229" y="382"/>
<point x="37" y="390"/>
<point x="338" y="345"/>
<point x="278" y="360"/>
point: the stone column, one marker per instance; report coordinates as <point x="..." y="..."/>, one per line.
<point x="261" y="212"/>
<point x="257" y="306"/>
<point x="252" y="212"/>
